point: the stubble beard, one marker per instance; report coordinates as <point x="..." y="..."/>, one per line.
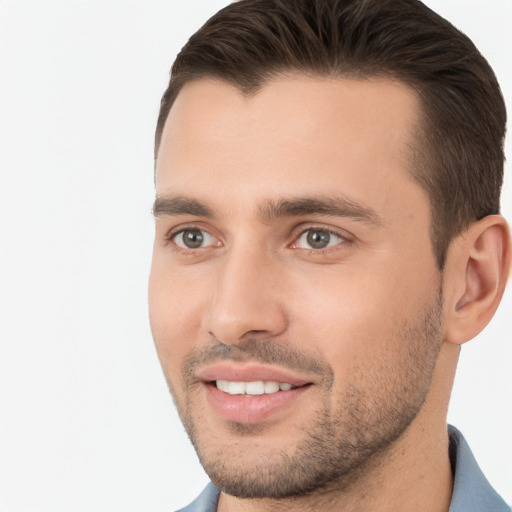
<point x="340" y="442"/>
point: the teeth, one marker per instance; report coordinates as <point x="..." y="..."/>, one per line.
<point x="236" y="388"/>
<point x="252" y="388"/>
<point x="271" y="387"/>
<point x="223" y="385"/>
<point x="255" y="388"/>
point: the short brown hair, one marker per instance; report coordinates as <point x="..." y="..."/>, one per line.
<point x="458" y="156"/>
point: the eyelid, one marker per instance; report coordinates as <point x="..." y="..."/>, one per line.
<point x="207" y="239"/>
<point x="346" y="237"/>
<point x="172" y="233"/>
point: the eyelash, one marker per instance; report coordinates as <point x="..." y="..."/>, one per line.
<point x="170" y="238"/>
<point x="344" y="239"/>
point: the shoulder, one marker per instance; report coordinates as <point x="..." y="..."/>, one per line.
<point x="205" y="502"/>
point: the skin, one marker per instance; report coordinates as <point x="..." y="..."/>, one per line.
<point x="371" y="310"/>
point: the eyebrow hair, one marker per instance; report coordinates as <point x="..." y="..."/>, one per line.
<point x="180" y="206"/>
<point x="270" y="210"/>
<point x="333" y="206"/>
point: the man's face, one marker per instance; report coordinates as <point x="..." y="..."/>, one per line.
<point x="293" y="250"/>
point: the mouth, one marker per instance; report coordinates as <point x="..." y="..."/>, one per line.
<point x="252" y="394"/>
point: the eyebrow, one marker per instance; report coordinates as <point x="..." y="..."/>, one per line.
<point x="270" y="210"/>
<point x="181" y="206"/>
<point x="331" y="206"/>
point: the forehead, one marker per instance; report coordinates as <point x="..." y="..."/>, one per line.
<point x="296" y="135"/>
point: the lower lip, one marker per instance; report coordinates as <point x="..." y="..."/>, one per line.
<point x="251" y="409"/>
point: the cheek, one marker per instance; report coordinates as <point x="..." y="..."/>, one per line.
<point x="174" y="315"/>
<point x="359" y="318"/>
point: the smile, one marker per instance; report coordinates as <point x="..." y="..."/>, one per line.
<point x="252" y="388"/>
<point x="252" y="393"/>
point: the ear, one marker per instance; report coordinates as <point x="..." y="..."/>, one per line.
<point x="475" y="274"/>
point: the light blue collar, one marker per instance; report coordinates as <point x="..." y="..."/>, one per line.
<point x="471" y="490"/>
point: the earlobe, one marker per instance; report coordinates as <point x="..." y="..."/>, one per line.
<point x="476" y="272"/>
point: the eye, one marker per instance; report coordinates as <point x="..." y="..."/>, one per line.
<point x="317" y="239"/>
<point x="193" y="238"/>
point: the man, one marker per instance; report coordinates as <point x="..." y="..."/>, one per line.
<point x="327" y="237"/>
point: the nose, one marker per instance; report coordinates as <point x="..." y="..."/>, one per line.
<point x="247" y="299"/>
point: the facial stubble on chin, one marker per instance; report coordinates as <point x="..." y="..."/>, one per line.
<point x="340" y="442"/>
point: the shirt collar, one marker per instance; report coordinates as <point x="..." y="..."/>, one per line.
<point x="471" y="490"/>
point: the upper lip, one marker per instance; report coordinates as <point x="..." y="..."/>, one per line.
<point x="249" y="372"/>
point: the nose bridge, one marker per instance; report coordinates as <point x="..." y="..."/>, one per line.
<point x="245" y="299"/>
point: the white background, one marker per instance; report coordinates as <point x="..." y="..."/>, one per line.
<point x="86" y="423"/>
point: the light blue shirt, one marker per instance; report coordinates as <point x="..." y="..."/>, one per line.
<point x="471" y="490"/>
